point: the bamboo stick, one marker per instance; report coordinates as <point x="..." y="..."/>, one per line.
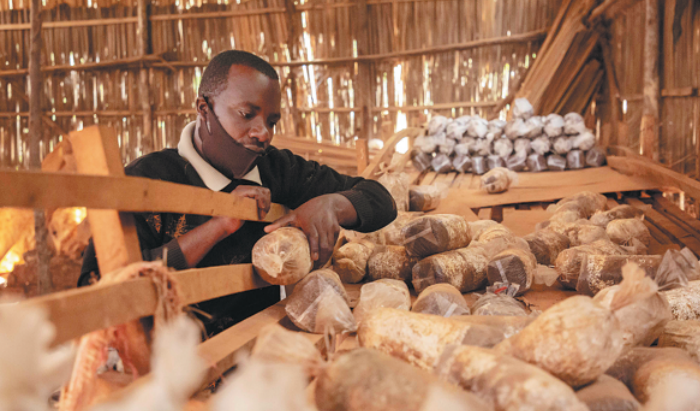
<point x="649" y="129"/>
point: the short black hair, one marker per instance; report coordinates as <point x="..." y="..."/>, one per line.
<point x="215" y="76"/>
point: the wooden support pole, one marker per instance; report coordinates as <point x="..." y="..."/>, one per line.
<point x="143" y="40"/>
<point x="36" y="132"/>
<point x="613" y="92"/>
<point x="364" y="84"/>
<point x="649" y="132"/>
<point x="292" y="46"/>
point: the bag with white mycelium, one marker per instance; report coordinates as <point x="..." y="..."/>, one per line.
<point x="437" y="124"/>
<point x="534" y="126"/>
<point x="522" y="109"/>
<point x="498" y="180"/>
<point x="574" y="124"/>
<point x="554" y="125"/>
<point x="478" y="127"/>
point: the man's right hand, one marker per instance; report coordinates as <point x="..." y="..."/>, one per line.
<point x="260" y="194"/>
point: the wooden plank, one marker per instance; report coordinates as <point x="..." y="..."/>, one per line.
<point x="652" y="172"/>
<point x="680" y="92"/>
<point x="666" y="206"/>
<point x="485" y="213"/>
<point x="79" y="311"/>
<point x="28" y="189"/>
<point x="676" y="234"/>
<point x="649" y="128"/>
<point x="523" y="222"/>
<point x="362" y="155"/>
<point x="373" y="171"/>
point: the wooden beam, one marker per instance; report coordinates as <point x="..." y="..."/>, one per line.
<point x="384" y="157"/>
<point x="79" y="311"/>
<point x="362" y="155"/>
<point x="680" y="92"/>
<point x="69" y="24"/>
<point x="673" y="231"/>
<point x="27" y="189"/>
<point x="143" y="44"/>
<point x="649" y="129"/>
<point x="656" y="173"/>
<point x="613" y="90"/>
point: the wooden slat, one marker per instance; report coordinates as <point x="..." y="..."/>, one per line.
<point x="655" y="173"/>
<point x="485" y="213"/>
<point x="79" y="311"/>
<point x="666" y="206"/>
<point x="676" y="233"/>
<point x="27" y="189"/>
<point x="523" y="222"/>
<point x="384" y="156"/>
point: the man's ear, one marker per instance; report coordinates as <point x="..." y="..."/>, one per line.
<point x="202" y="106"/>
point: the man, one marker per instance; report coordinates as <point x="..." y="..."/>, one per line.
<point x="228" y="149"/>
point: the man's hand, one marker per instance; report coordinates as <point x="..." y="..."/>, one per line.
<point x="320" y="219"/>
<point x="260" y="194"/>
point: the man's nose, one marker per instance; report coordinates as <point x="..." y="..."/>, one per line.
<point x="260" y="132"/>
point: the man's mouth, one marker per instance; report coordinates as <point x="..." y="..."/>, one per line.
<point x="256" y="148"/>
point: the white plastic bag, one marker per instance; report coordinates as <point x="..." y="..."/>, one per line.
<point x="562" y="145"/>
<point x="584" y="141"/>
<point x="437" y="125"/>
<point x="574" y="124"/>
<point x="515" y="129"/>
<point x="554" y="125"/>
<point x="541" y="145"/>
<point x="478" y="127"/>
<point x="522" y="109"/>
<point x="534" y="126"/>
<point x="503" y="147"/>
<point x="382" y="293"/>
<point x="498" y="180"/>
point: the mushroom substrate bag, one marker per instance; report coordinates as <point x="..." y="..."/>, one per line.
<point x="621" y="212"/>
<point x="283" y="256"/>
<point x="546" y="245"/>
<point x="537" y="163"/>
<point x="682" y="334"/>
<point x="498" y="180"/>
<point x="441" y="299"/>
<point x="441" y="164"/>
<point x="425" y="198"/>
<point x="556" y="162"/>
<point x="397" y="185"/>
<point x="382" y="294"/>
<point x="392" y="262"/>
<point x="350" y="260"/>
<point x="437" y="233"/>
<point x="595" y="157"/>
<point x="568" y="263"/>
<point x="501" y="304"/>
<point x="421" y="161"/>
<point x="479" y="165"/>
<point x="513" y="266"/>
<point x="462" y="163"/>
<point x="602" y="271"/>
<point x="464" y="268"/>
<point x="522" y="109"/>
<point x="608" y="394"/>
<point x="554" y="125"/>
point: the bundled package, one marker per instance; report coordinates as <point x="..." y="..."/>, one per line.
<point x="575" y="160"/>
<point x="502" y="147"/>
<point x="496" y="129"/>
<point x="567" y="213"/>
<point x="508" y="383"/>
<point x="464" y="268"/>
<point x="513" y="266"/>
<point x="391" y="262"/>
<point x="425" y="144"/>
<point x="447" y="147"/>
<point x="368" y="380"/>
<point x="498" y="180"/>
<point x="515" y="129"/>
<point x="685" y="301"/>
<point x="602" y="271"/>
<point x="437" y="233"/>
<point x="608" y="394"/>
<point x="440" y="139"/>
<point x="589" y="202"/>
<point x="682" y="334"/>
<point x="462" y="163"/>
<point x="534" y="126"/>
<point x="595" y="157"/>
<point x="479" y="165"/>
<point x="546" y="245"/>
<point x="482" y="147"/>
<point x="574" y="124"/>
<point x="319" y="303"/>
<point x="584" y="141"/>
<point x="441" y="164"/>
<point x="419" y="339"/>
<point x="569" y="262"/>
<point x="282" y="257"/>
<point x="537" y="163"/>
<point x="494" y="161"/>
<point x="441" y="299"/>
<point x="421" y="161"/>
<point x="554" y="125"/>
<point x="501" y="304"/>
<point x="621" y="212"/>
<point x="478" y="127"/>
<point x="280" y="345"/>
<point x="397" y="185"/>
<point x="578" y="339"/>
<point x="522" y="145"/>
<point x="677" y="268"/>
<point x="463" y="149"/>
<point x="517" y="162"/>
<point x="437" y="124"/>
<point x="562" y="145"/>
<point x="624" y="231"/>
<point x="522" y="109"/>
<point x="425" y="198"/>
<point x="492" y="232"/>
<point x="509" y="325"/>
<point x="556" y="162"/>
<point x="541" y="145"/>
<point x="456" y="129"/>
<point x="391" y="234"/>
<point x="480" y="226"/>
<point x="382" y="294"/>
<point x="350" y="260"/>
<point x="579" y="232"/>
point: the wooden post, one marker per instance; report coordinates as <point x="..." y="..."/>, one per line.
<point x="649" y="133"/>
<point x="292" y="46"/>
<point x="36" y="132"/>
<point x="613" y="93"/>
<point x="143" y="42"/>
<point x="364" y="85"/>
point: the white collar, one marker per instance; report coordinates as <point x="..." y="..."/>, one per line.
<point x="212" y="178"/>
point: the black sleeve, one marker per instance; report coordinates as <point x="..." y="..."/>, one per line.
<point x="295" y="181"/>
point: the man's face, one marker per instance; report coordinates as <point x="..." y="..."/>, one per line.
<point x="248" y="108"/>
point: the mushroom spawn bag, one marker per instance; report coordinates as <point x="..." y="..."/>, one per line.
<point x="280" y="345"/>
<point x="568" y="263"/>
<point x="426" y="198"/>
<point x="513" y="266"/>
<point x="575" y="160"/>
<point x="554" y="125"/>
<point x="498" y="180"/>
<point x="537" y="163"/>
<point x="391" y="262"/>
<point x="478" y="128"/>
<point x="595" y="157"/>
<point x="517" y="162"/>
<point x="456" y="129"/>
<point x="522" y="145"/>
<point x="437" y="233"/>
<point x="534" y="126"/>
<point x="437" y="124"/>
<point x="494" y="161"/>
<point x="621" y="212"/>
<point x="541" y="145"/>
<point x="598" y="272"/>
<point x="608" y="394"/>
<point x="556" y="162"/>
<point x="685" y="301"/>
<point x="584" y="141"/>
<point x="562" y="145"/>
<point x="546" y="245"/>
<point x="499" y="304"/>
<point x="574" y="124"/>
<point x="502" y="147"/>
<point x="397" y="185"/>
<point x="421" y="161"/>
<point x="480" y="226"/>
<point x="464" y="268"/>
<point x="350" y="260"/>
<point x="479" y="165"/>
<point x="578" y="339"/>
<point x="380" y="294"/>
<point x="589" y="201"/>
<point x="682" y="334"/>
<point x="624" y="231"/>
<point x="426" y="145"/>
<point x="282" y="257"/>
<point x="522" y="109"/>
<point x="441" y="299"/>
<point x="462" y="163"/>
<point x="515" y="129"/>
<point x="441" y="164"/>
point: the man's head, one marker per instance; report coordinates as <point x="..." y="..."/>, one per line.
<point x="243" y="92"/>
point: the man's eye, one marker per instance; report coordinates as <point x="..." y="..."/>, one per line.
<point x="247" y="115"/>
<point x="273" y="124"/>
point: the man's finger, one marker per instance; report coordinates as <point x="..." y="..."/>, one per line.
<point x="313" y="244"/>
<point x="287" y="220"/>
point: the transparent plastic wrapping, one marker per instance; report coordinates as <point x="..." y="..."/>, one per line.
<point x="584" y="141"/>
<point x="685" y="301"/>
<point x="682" y="334"/>
<point x="495" y="161"/>
<point x="319" y="303"/>
<point x="517" y="162"/>
<point x="677" y="391"/>
<point x="494" y="232"/>
<point x="464" y="268"/>
<point x="425" y="144"/>
<point x="421" y="161"/>
<point x="556" y="162"/>
<point x="677" y="268"/>
<point x="479" y="165"/>
<point x="608" y="394"/>
<point x="534" y="126"/>
<point x="575" y="160"/>
<point x="498" y="304"/>
<point x="456" y="129"/>
<point x="447" y="147"/>
<point x="595" y="157"/>
<point x="283" y="256"/>
<point x="390" y="262"/>
<point x="462" y="163"/>
<point x="515" y="129"/>
<point x="569" y="262"/>
<point x="277" y="344"/>
<point x="621" y="212"/>
<point x="537" y="163"/>
<point x="624" y="231"/>
<point x="496" y="125"/>
<point x="602" y="271"/>
<point x="513" y="266"/>
<point x="498" y="180"/>
<point x="419" y="339"/>
<point x="522" y="145"/>
<point x="546" y="245"/>
<point x="480" y="226"/>
<point x="589" y="201"/>
<point x="437" y="233"/>
<point x="482" y="147"/>
<point x="574" y="124"/>
<point x="567" y="213"/>
<point x="562" y="145"/>
<point x="541" y="145"/>
<point x="554" y="125"/>
<point x="426" y="198"/>
<point x="441" y="299"/>
<point x="437" y="124"/>
<point x="579" y="232"/>
<point x="382" y="294"/>
<point x="397" y="185"/>
<point x="503" y="147"/>
<point x="578" y="339"/>
<point x="522" y="109"/>
<point x="368" y="380"/>
<point x="478" y="127"/>
<point x="508" y="383"/>
<point x="441" y="164"/>
<point x="350" y="260"/>
<point x="463" y="149"/>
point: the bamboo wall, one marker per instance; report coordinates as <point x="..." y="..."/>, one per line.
<point x="92" y="63"/>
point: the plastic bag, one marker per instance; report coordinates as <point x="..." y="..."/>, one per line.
<point x="479" y="165"/>
<point x="584" y="141"/>
<point x="522" y="145"/>
<point x="448" y="147"/>
<point x="624" y="231"/>
<point x="562" y="145"/>
<point x="468" y="143"/>
<point x="682" y="334"/>
<point x="319" y="303"/>
<point x="464" y="268"/>
<point x="685" y="301"/>
<point x="515" y="129"/>
<point x="554" y="125"/>
<point x="603" y="218"/>
<point x="426" y="198"/>
<point x="534" y="126"/>
<point x="463" y="149"/>
<point x="456" y="129"/>
<point x="513" y="266"/>
<point x="421" y="161"/>
<point x="608" y="394"/>
<point x="574" y="124"/>
<point x="568" y="262"/>
<point x="517" y="162"/>
<point x="282" y="257"/>
<point x="462" y="164"/>
<point x="498" y="180"/>
<point x="480" y="226"/>
<point x="437" y="124"/>
<point x="435" y="234"/>
<point x="522" y="109"/>
<point x="503" y="147"/>
<point x="391" y="234"/>
<point x="496" y="126"/>
<point x="498" y="304"/>
<point x="277" y="344"/>
<point x="425" y="144"/>
<point x="589" y="201"/>
<point x="546" y="245"/>
<point x="495" y="162"/>
<point x="491" y="232"/>
<point x="397" y="185"/>
<point x="541" y="145"/>
<point x="482" y="147"/>
<point x="556" y="162"/>
<point x="602" y="271"/>
<point x="390" y="262"/>
<point x="536" y="163"/>
<point x="677" y="268"/>
<point x="441" y="299"/>
<point x="575" y="160"/>
<point x="350" y="260"/>
<point x="380" y="294"/>
<point x="595" y="157"/>
<point x="441" y="164"/>
<point x="478" y="127"/>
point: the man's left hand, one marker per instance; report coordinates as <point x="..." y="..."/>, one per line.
<point x="320" y="219"/>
